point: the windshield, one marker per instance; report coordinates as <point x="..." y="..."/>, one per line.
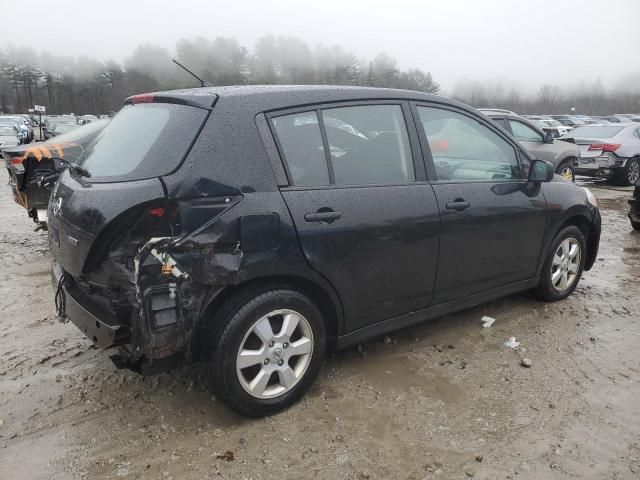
<point x="80" y="135"/>
<point x="142" y="141"/>
<point x="61" y="120"/>
<point x="594" y="131"/>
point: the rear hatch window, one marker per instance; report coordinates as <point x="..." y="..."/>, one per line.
<point x="142" y="141"/>
<point x="595" y="132"/>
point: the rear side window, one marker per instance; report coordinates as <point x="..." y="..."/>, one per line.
<point x="142" y="141"/>
<point x="368" y="145"/>
<point x="364" y="145"/>
<point x="301" y="142"/>
<point x="465" y="150"/>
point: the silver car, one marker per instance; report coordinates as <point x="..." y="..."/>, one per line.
<point x="541" y="144"/>
<point x="609" y="151"/>
<point x="8" y="136"/>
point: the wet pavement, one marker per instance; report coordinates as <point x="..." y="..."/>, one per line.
<point x="446" y="399"/>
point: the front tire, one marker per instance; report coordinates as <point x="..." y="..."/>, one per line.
<point x="563" y="266"/>
<point x="566" y="171"/>
<point x="267" y="350"/>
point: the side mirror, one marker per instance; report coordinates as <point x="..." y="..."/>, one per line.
<point x="548" y="137"/>
<point x="541" y="171"/>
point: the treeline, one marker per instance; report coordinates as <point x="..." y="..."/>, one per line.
<point x="586" y="98"/>
<point x="84" y="85"/>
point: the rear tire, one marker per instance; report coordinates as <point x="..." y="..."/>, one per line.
<point x="565" y="170"/>
<point x="563" y="266"/>
<point x="629" y="174"/>
<point x="259" y="362"/>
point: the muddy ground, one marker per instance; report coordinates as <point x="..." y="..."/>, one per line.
<point x="444" y="400"/>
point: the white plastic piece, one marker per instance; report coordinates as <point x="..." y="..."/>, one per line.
<point x="511" y="343"/>
<point x="42" y="215"/>
<point x="487" y="321"/>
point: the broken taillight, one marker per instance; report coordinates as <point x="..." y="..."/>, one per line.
<point x="157" y="211"/>
<point x="605" y="147"/>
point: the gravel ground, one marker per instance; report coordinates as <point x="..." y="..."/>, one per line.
<point x="444" y="400"/>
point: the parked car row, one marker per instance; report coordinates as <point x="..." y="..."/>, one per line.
<point x="23" y="127"/>
<point x="599" y="147"/>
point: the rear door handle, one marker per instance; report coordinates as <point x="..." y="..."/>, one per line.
<point x="322" y="216"/>
<point x="458" y="205"/>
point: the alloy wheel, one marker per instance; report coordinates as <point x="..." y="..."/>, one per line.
<point x="274" y="354"/>
<point x="565" y="264"/>
<point x="566" y="172"/>
<point x="633" y="171"/>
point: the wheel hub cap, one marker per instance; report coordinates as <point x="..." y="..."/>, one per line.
<point x="277" y="354"/>
<point x="565" y="264"/>
<point x="634" y="172"/>
<point x="274" y="354"/>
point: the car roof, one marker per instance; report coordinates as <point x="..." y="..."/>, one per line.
<point x="273" y="97"/>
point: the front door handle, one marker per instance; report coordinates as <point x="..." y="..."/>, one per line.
<point x="323" y="216"/>
<point x="459" y="205"/>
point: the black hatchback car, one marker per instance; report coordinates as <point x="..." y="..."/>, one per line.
<point x="253" y="228"/>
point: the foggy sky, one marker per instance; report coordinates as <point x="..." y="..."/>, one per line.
<point x="525" y="43"/>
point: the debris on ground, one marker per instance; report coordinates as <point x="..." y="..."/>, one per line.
<point x="511" y="343"/>
<point x="227" y="456"/>
<point x="525" y="362"/>
<point x="487" y="321"/>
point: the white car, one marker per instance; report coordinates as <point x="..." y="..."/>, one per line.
<point x="549" y="125"/>
<point x="8" y="137"/>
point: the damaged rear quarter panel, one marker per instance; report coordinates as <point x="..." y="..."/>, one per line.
<point x="228" y="183"/>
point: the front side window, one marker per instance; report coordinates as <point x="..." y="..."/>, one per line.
<point x="465" y="150"/>
<point x="524" y="132"/>
<point x="368" y="145"/>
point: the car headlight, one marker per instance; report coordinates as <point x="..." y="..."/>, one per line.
<point x="591" y="198"/>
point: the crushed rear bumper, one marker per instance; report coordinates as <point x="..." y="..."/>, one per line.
<point x="99" y="325"/>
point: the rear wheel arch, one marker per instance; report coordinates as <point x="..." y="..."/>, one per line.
<point x="326" y="302"/>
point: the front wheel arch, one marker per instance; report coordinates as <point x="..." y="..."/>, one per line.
<point x="588" y="230"/>
<point x="567" y="164"/>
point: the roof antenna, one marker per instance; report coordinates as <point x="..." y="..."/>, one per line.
<point x="203" y="83"/>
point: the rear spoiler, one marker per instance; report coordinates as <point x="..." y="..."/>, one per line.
<point x="206" y="101"/>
